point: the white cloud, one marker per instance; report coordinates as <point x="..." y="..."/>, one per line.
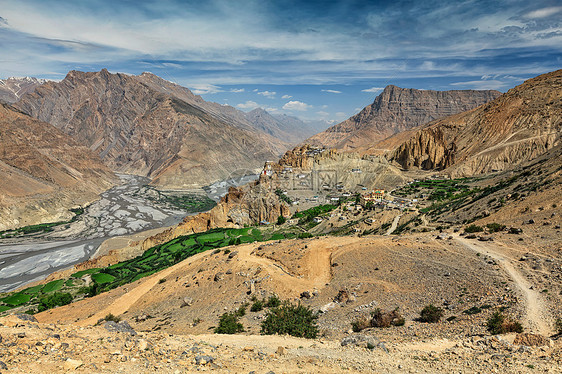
<point x="490" y="84"/>
<point x="286" y="96"/>
<point x="373" y="89"/>
<point x="297" y="105"/>
<point x="544" y="12"/>
<point x="237" y="90"/>
<point x="332" y="91"/>
<point x="323" y="114"/>
<point x="341" y="115"/>
<point x="205" y="89"/>
<point x="248" y="105"/>
<point x="268" y="94"/>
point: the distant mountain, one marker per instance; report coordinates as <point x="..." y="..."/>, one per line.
<point x="519" y="126"/>
<point x="395" y="110"/>
<point x="12" y="89"/>
<point x="292" y="129"/>
<point x="43" y="172"/>
<point x="148" y="126"/>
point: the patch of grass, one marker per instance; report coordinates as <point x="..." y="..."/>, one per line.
<point x="33" y="290"/>
<point x="81" y="273"/>
<point x="16" y="299"/>
<point x="272" y="302"/>
<point x="53" y="286"/>
<point x="473" y="228"/>
<point x="102" y="278"/>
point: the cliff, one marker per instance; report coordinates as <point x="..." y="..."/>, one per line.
<point x="518" y="126"/>
<point x="395" y="110"/>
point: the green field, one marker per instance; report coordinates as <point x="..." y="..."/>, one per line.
<point x="53" y="286"/>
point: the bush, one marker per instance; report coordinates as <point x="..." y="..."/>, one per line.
<point x="499" y="324"/>
<point x="473" y="228"/>
<point x="241" y="312"/>
<point x="431" y="314"/>
<point x="229" y="324"/>
<point x="257" y="306"/>
<point x="272" y="302"/>
<point x="495" y="227"/>
<point x="360" y="323"/>
<point x="288" y="319"/>
<point x="382" y="319"/>
<point x="54" y="300"/>
<point x="281" y="220"/>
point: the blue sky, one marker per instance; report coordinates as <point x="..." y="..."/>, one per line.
<point x="313" y="59"/>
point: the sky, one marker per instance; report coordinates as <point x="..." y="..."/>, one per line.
<point x="318" y="60"/>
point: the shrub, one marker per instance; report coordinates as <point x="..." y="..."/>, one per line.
<point x="473" y="310"/>
<point x="495" y="227"/>
<point x="386" y="319"/>
<point x="229" y="324"/>
<point x="241" y="312"/>
<point x="360" y="323"/>
<point x="288" y="319"/>
<point x="111" y="317"/>
<point x="54" y="300"/>
<point x="431" y="314"/>
<point x="257" y="306"/>
<point x="473" y="228"/>
<point x="272" y="302"/>
<point x="281" y="220"/>
<point x="499" y="324"/>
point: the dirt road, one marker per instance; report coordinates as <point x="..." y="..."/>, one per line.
<point x="537" y="318"/>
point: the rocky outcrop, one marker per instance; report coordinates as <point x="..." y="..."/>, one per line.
<point x="147" y="126"/>
<point x="43" y="172"/>
<point x="395" y="110"/>
<point x="517" y="127"/>
<point x="247" y="205"/>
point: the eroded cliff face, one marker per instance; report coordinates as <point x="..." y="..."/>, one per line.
<point x="395" y="110"/>
<point x="147" y="126"/>
<point x="246" y="205"/>
<point x="43" y="172"/>
<point x="519" y="126"/>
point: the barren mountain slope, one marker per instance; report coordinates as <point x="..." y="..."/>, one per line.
<point x="518" y="126"/>
<point x="138" y="129"/>
<point x="398" y="109"/>
<point x="12" y="89"/>
<point x="43" y="172"/>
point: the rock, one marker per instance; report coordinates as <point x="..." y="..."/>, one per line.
<point x="364" y="341"/>
<point x="186" y="301"/>
<point x="232" y="254"/>
<point x="143" y="345"/>
<point x="203" y="360"/>
<point x="531" y="340"/>
<point x="342" y="297"/>
<point x="280" y="351"/>
<point x="122" y="326"/>
<point x="219" y="276"/>
<point x="71" y="364"/>
<point x="26" y="317"/>
<point x="3" y="366"/>
<point x="248" y="349"/>
<point x="305" y="295"/>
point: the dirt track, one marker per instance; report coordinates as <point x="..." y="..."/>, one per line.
<point x="537" y="316"/>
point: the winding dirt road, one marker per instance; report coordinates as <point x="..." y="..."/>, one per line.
<point x="537" y="318"/>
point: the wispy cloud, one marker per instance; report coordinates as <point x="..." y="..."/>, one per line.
<point x="332" y="91"/>
<point x="286" y="97"/>
<point x="544" y="12"/>
<point x="237" y="90"/>
<point x="373" y="89"/>
<point x="296" y="105"/>
<point x="205" y="89"/>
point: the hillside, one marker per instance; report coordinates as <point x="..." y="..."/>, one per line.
<point x="520" y="125"/>
<point x="139" y="125"/>
<point x="395" y="110"/>
<point x="43" y="172"/>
